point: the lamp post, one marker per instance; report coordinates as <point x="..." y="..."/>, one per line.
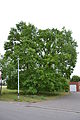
<point x="18" y="77"/>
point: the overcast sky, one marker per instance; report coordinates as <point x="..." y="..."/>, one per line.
<point x="43" y="14"/>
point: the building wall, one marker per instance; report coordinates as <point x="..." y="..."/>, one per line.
<point x="77" y="85"/>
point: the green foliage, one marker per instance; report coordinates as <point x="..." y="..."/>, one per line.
<point x="47" y="58"/>
<point x="75" y="78"/>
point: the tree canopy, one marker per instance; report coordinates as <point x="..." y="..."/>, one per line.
<point x="47" y="58"/>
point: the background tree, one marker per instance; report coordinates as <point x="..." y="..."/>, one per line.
<point x="47" y="58"/>
<point x="75" y="78"/>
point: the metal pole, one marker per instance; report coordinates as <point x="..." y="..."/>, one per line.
<point x="18" y="77"/>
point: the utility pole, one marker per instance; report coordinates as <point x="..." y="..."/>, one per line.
<point x="18" y="77"/>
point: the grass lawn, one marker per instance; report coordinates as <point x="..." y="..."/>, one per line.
<point x="11" y="95"/>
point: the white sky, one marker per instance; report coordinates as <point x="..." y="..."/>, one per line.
<point x="43" y="14"/>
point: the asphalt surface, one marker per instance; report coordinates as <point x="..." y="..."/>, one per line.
<point x="64" y="108"/>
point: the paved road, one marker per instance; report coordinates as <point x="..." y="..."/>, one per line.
<point x="64" y="108"/>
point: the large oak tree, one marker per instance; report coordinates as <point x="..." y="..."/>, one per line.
<point x="47" y="58"/>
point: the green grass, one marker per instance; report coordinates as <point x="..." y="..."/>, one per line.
<point x="11" y="95"/>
